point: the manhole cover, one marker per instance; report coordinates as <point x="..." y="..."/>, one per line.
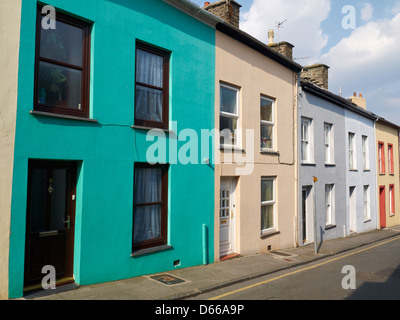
<point x="167" y="279"/>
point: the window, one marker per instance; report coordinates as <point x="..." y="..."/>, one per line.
<point x="228" y="115"/>
<point x="328" y="141"/>
<point x="391" y="200"/>
<point x="267" y="123"/>
<point x="306" y="140"/>
<point x="62" y="66"/>
<point x="365" y="152"/>
<point x="352" y="152"/>
<point x="150" y="206"/>
<point x="366" y="199"/>
<point x="381" y="157"/>
<point x="267" y="204"/>
<point x="390" y="154"/>
<point x="152" y="86"/>
<point x="328" y="204"/>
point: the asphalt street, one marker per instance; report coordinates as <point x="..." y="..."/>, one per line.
<point x="375" y="271"/>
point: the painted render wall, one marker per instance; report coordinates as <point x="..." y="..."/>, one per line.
<point x="10" y="18"/>
<point x="362" y="125"/>
<point x="106" y="151"/>
<point x="256" y="75"/>
<point x="321" y="111"/>
<point x="389" y="134"/>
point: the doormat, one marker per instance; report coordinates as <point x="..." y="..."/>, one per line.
<point x="167" y="279"/>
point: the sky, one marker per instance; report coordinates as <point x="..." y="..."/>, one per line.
<point x="358" y="39"/>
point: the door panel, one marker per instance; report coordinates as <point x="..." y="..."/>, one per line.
<point x="50" y="219"/>
<point x="226" y="216"/>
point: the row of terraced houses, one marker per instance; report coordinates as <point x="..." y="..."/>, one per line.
<point x="138" y="137"/>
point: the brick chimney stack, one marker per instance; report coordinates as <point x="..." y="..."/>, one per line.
<point x="317" y="74"/>
<point x="360" y="101"/>
<point x="228" y="10"/>
<point x="283" y="47"/>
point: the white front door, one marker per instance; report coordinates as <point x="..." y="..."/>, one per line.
<point x="227" y="216"/>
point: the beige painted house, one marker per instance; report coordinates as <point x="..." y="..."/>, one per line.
<point x="388" y="171"/>
<point x="10" y="18"/>
<point x="256" y="177"/>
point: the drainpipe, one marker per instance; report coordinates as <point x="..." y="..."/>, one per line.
<point x="205" y="251"/>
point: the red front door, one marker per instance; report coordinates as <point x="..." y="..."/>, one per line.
<point x="382" y="207"/>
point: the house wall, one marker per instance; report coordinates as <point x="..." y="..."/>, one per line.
<point x="10" y="18"/>
<point x="255" y="75"/>
<point x="107" y="150"/>
<point x="389" y="134"/>
<point x="360" y="125"/>
<point x="321" y="111"/>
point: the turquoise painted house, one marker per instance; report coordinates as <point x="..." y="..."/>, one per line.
<point x="99" y="188"/>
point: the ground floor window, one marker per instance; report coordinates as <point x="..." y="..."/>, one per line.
<point x="267" y="204"/>
<point x="150" y="206"/>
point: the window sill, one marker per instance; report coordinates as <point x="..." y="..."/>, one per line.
<point x="269" y="233"/>
<point x="368" y="220"/>
<point x="367" y="170"/>
<point x="330" y="226"/>
<point x="353" y="170"/>
<point x="152" y="128"/>
<point x="150" y="250"/>
<point x="61" y="116"/>
<point x="270" y="152"/>
<point x="311" y="164"/>
<point x="231" y="148"/>
<point x="391" y="215"/>
<point x="330" y="165"/>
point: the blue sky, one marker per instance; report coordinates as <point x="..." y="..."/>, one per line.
<point x="364" y="59"/>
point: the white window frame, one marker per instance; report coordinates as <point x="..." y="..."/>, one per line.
<point x="352" y="151"/>
<point x="329" y="205"/>
<point x="308" y="142"/>
<point x="392" y="200"/>
<point x="231" y="115"/>
<point x="269" y="203"/>
<point x="367" y="203"/>
<point x="328" y="143"/>
<point x="390" y="160"/>
<point x="365" y="151"/>
<point x="268" y="123"/>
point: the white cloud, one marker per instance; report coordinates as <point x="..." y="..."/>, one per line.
<point x="367" y="61"/>
<point x="302" y="27"/>
<point x="367" y="12"/>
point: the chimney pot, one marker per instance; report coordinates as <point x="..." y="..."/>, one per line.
<point x="206" y="4"/>
<point x="355" y="94"/>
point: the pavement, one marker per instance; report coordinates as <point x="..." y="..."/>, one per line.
<point x="202" y="279"/>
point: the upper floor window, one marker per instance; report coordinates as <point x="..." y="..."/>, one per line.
<point x="352" y="151"/>
<point x="267" y="123"/>
<point x="62" y="66"/>
<point x="381" y="157"/>
<point x="365" y="152"/>
<point x="306" y="140"/>
<point x="328" y="141"/>
<point x="390" y="154"/>
<point x="229" y="115"/>
<point x="152" y="87"/>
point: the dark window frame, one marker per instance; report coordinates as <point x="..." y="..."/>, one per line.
<point x="164" y="208"/>
<point x="165" y="89"/>
<point x="85" y="69"/>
